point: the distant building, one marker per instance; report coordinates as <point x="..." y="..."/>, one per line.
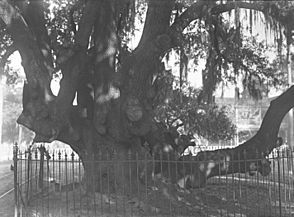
<point x="247" y="115"/>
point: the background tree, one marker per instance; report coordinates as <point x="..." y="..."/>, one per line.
<point x="12" y="104"/>
<point x="116" y="87"/>
<point x="11" y="111"/>
<point x="184" y="111"/>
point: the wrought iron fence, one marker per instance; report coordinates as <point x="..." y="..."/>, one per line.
<point x="52" y="184"/>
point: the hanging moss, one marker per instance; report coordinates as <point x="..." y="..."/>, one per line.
<point x="250" y="21"/>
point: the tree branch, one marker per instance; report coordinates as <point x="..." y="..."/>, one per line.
<point x="71" y="16"/>
<point x="282" y="15"/>
<point x="37" y="93"/>
<point x="251" y="155"/>
<point x="71" y="70"/>
<point x="195" y="11"/>
<point x="86" y="24"/>
<point x="267" y="134"/>
<point x="157" y="19"/>
<point x="73" y="66"/>
<point x="75" y="63"/>
<point x="258" y="6"/>
<point x="201" y="8"/>
<point x="9" y="51"/>
<point x="153" y="41"/>
<point x="34" y="16"/>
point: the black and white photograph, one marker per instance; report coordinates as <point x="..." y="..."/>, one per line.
<point x="146" y="108"/>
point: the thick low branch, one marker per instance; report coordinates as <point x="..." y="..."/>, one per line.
<point x="267" y="134"/>
<point x="247" y="157"/>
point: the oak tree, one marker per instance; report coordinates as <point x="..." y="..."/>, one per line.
<point x="118" y="89"/>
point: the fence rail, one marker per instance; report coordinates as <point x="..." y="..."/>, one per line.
<point x="53" y="184"/>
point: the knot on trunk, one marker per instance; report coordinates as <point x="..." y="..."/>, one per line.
<point x="134" y="110"/>
<point x="100" y="117"/>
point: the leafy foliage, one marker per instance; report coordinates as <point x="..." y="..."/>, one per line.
<point x="62" y="18"/>
<point x="11" y="111"/>
<point x="231" y="55"/>
<point x="184" y="111"/>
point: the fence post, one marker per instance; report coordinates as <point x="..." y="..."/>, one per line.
<point x="279" y="184"/>
<point x="28" y="175"/>
<point x="15" y="151"/>
<point x="41" y="170"/>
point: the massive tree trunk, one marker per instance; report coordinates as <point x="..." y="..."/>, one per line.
<point x="120" y="113"/>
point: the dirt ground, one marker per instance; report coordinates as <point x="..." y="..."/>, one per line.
<point x="6" y="183"/>
<point x="226" y="196"/>
<point x="221" y="197"/>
